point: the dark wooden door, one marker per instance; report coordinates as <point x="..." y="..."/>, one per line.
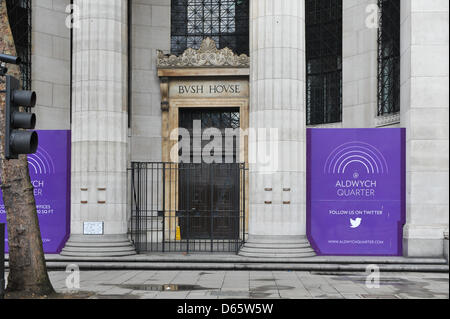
<point x="209" y="192"/>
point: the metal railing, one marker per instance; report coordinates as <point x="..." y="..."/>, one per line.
<point x="188" y="207"/>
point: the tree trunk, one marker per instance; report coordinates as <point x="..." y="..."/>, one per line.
<point x="27" y="269"/>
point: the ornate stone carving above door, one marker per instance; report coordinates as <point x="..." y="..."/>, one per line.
<point x="206" y="56"/>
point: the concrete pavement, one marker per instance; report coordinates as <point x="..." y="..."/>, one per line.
<point x="150" y="284"/>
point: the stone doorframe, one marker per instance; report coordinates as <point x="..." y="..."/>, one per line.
<point x="199" y="70"/>
<point x="203" y="68"/>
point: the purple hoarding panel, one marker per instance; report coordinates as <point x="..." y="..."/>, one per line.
<point x="356" y="191"/>
<point x="50" y="175"/>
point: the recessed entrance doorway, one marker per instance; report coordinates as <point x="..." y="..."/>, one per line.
<point x="209" y="183"/>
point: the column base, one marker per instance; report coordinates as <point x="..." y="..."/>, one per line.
<point x="277" y="247"/>
<point x="98" y="246"/>
<point x="426" y="248"/>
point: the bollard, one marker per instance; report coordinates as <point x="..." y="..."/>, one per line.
<point x="2" y="261"/>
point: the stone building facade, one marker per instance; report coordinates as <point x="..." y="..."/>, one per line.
<point x="104" y="79"/>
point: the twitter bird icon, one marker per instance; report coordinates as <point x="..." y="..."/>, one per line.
<point x="355" y="223"/>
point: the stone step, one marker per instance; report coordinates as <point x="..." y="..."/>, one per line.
<point x="272" y="247"/>
<point x="97" y="245"/>
<point x="92" y="249"/>
<point x="86" y="265"/>
<point x="98" y="239"/>
<point x="98" y="251"/>
<point x="287" y="241"/>
<point x="277" y="246"/>
<point x="94" y="254"/>
<point x="277" y="255"/>
<point x="284" y="250"/>
<point x="223" y="258"/>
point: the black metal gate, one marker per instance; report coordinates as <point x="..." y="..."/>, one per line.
<point x="188" y="207"/>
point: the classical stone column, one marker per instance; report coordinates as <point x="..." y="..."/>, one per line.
<point x="277" y="220"/>
<point x="99" y="130"/>
<point x="424" y="113"/>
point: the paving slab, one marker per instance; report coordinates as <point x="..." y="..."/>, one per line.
<point x="172" y="295"/>
<point x="253" y="284"/>
<point x="201" y="296"/>
<point x="322" y="290"/>
<point x="328" y="296"/>
<point x="148" y="296"/>
<point x="350" y="288"/>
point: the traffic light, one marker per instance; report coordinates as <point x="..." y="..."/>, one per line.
<point x="17" y="139"/>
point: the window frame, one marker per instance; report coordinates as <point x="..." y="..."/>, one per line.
<point x="210" y="24"/>
<point x="388" y="77"/>
<point x="323" y="26"/>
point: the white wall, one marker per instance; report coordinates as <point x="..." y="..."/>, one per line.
<point x="51" y="63"/>
<point x="150" y="32"/>
<point x="359" y="71"/>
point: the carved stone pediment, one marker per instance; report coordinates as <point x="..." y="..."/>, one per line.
<point x="207" y="56"/>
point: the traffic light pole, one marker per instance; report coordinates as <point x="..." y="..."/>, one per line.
<point x="27" y="268"/>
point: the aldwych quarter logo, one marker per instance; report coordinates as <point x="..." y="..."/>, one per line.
<point x="356" y="165"/>
<point x="40" y="164"/>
